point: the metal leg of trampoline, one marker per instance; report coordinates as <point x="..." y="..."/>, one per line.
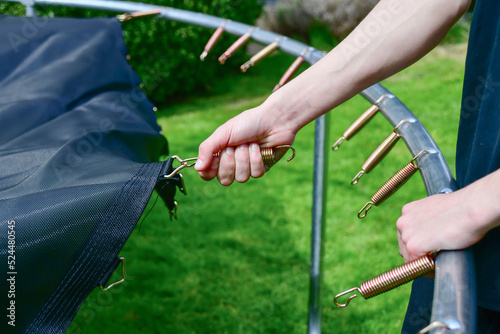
<point x="321" y="150"/>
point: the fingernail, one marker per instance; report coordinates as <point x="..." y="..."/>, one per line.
<point x="198" y="164"/>
<point x="243" y="147"/>
<point x="254" y="147"/>
<point x="229" y="150"/>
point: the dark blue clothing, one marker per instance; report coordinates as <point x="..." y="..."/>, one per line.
<point x="478" y="154"/>
<point x="478" y="145"/>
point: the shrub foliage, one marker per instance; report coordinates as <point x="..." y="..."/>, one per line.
<point x="166" y="53"/>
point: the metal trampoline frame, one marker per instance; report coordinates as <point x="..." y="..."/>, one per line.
<point x="454" y="288"/>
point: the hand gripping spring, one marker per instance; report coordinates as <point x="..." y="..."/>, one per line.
<point x="391" y="186"/>
<point x="268" y="157"/>
<point x="390" y="279"/>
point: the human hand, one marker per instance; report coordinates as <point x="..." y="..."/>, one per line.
<point x="444" y="221"/>
<point x="239" y="141"/>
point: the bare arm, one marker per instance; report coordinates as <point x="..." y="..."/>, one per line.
<point x="393" y="36"/>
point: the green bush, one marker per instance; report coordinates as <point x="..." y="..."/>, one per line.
<point x="166" y="54"/>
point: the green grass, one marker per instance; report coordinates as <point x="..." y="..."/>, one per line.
<point x="237" y="259"/>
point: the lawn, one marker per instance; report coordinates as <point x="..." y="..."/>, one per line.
<point x="237" y="259"/>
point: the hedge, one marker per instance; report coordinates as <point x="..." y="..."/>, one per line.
<point x="166" y="54"/>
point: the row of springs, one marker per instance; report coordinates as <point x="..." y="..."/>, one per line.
<point x="408" y="271"/>
<point x="240" y="42"/>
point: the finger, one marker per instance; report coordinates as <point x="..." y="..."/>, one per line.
<point x="242" y="160"/>
<point x="211" y="172"/>
<point x="208" y="148"/>
<point x="257" y="168"/>
<point x="225" y="174"/>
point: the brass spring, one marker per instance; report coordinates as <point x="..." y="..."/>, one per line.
<point x="391" y="279"/>
<point x="359" y="123"/>
<point x="260" y="55"/>
<point x="289" y="72"/>
<point x="211" y="42"/>
<point x="236" y="46"/>
<point x="128" y="16"/>
<point x="391" y="186"/>
<point x="380" y="152"/>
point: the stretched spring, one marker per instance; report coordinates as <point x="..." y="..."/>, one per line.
<point x="260" y="55"/>
<point x="211" y="42"/>
<point x="391" y="279"/>
<point x="359" y="123"/>
<point x="379" y="153"/>
<point x="236" y="46"/>
<point x="391" y="186"/>
<point x="289" y="72"/>
<point x="128" y="16"/>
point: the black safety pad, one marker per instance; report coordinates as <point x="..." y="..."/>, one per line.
<point x="78" y="141"/>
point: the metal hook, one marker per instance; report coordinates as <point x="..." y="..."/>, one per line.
<point x="290" y="147"/>
<point x="420" y="153"/>
<point x="357" y="177"/>
<point x="337" y="144"/>
<point x="184" y="163"/>
<point x="434" y="325"/>
<point x="343" y="294"/>
<point x="124" y="277"/>
<point x="365" y="209"/>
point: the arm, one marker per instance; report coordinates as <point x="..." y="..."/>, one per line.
<point x="450" y="221"/>
<point x="393" y="36"/>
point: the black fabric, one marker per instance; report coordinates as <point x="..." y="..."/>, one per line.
<point x="478" y="154"/>
<point x="478" y="145"/>
<point x="77" y="143"/>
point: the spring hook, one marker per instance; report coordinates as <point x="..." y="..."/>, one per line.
<point x="390" y="279"/>
<point x="359" y="123"/>
<point x="128" y="16"/>
<point x="380" y="152"/>
<point x="291" y="71"/>
<point x="236" y="46"/>
<point x="211" y="42"/>
<point x="260" y="55"/>
<point x="391" y="186"/>
<point x="268" y="157"/>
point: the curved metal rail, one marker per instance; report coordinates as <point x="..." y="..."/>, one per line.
<point x="454" y="287"/>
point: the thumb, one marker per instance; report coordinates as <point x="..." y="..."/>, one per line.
<point x="206" y="152"/>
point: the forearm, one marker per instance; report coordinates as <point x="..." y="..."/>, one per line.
<point x="393" y="36"/>
<point x="483" y="198"/>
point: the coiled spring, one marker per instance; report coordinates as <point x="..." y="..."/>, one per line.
<point x="380" y="152"/>
<point x="391" y="279"/>
<point x="236" y="46"/>
<point x="128" y="16"/>
<point x="260" y="55"/>
<point x="290" y="71"/>
<point x="359" y="123"/>
<point x="391" y="186"/>
<point x="213" y="39"/>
